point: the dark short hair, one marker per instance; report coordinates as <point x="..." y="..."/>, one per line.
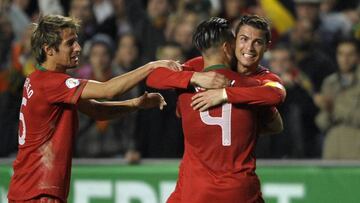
<point x="47" y="32"/>
<point x="212" y="33"/>
<point x="349" y="40"/>
<point x="255" y="22"/>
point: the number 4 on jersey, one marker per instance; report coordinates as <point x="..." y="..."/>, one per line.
<point x="224" y="122"/>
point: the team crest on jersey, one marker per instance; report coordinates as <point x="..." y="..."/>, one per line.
<point x="72" y="82"/>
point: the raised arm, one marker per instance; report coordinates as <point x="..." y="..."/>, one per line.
<point x="113" y="109"/>
<point x="122" y="83"/>
<point x="164" y="78"/>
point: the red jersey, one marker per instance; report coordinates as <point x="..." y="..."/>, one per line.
<point x="270" y="94"/>
<point x="48" y="123"/>
<point x="211" y="171"/>
<point x="218" y="163"/>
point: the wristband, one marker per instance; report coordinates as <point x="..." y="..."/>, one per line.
<point x="224" y="95"/>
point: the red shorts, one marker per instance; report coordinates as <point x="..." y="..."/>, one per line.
<point x="39" y="199"/>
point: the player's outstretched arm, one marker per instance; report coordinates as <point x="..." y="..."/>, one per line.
<point x="163" y="78"/>
<point x="113" y="109"/>
<point x="121" y="84"/>
<point x="269" y="94"/>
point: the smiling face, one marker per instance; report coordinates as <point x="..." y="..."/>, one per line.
<point x="251" y="45"/>
<point x="67" y="55"/>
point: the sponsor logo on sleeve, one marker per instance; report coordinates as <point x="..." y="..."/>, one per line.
<point x="72" y="82"/>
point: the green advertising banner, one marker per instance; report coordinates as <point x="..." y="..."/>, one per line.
<point x="153" y="182"/>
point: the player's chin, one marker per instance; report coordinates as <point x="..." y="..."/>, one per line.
<point x="247" y="61"/>
<point x="72" y="66"/>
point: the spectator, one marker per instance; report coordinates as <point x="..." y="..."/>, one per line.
<point x="339" y="117"/>
<point x="183" y="35"/>
<point x="47" y="7"/>
<point x="126" y="59"/>
<point x="308" y="53"/>
<point x="152" y="28"/>
<point x="82" y="10"/>
<point x="232" y="9"/>
<point x="163" y="137"/>
<point x="102" y="10"/>
<point x="97" y="138"/>
<point x="118" y="23"/>
<point x="171" y="50"/>
<point x="292" y="142"/>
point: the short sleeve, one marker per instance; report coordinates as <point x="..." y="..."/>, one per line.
<point x="61" y="88"/>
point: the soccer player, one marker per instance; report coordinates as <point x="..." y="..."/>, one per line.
<point x="48" y="114"/>
<point x="218" y="163"/>
<point x="252" y="40"/>
<point x="253" y="37"/>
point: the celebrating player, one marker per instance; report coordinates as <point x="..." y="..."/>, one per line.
<point x="48" y="114"/>
<point x="218" y="163"/>
<point x="252" y="40"/>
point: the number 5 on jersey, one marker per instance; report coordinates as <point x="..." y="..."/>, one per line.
<point x="22" y="133"/>
<point x="224" y="122"/>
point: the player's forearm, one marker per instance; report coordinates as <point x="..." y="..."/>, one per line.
<point x="259" y="95"/>
<point x="111" y="109"/>
<point x="272" y="126"/>
<point x="115" y="86"/>
<point x="123" y="83"/>
<point x="163" y="78"/>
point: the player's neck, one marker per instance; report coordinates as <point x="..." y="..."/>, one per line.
<point x="247" y="70"/>
<point x="215" y="62"/>
<point x="50" y="66"/>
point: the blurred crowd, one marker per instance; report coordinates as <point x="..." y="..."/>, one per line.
<point x="315" y="50"/>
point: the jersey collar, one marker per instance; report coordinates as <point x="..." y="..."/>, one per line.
<point x="215" y="67"/>
<point x="40" y="68"/>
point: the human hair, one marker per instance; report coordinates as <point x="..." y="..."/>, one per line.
<point x="255" y="22"/>
<point x="212" y="33"/>
<point x="349" y="40"/>
<point x="48" y="32"/>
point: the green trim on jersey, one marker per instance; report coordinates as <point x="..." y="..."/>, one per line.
<point x="40" y="68"/>
<point x="215" y="67"/>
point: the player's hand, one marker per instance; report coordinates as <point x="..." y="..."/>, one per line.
<point x="151" y="100"/>
<point x="209" y="80"/>
<point x="172" y="65"/>
<point x="204" y="100"/>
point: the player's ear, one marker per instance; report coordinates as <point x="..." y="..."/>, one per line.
<point x="267" y="45"/>
<point x="227" y="47"/>
<point x="48" y="50"/>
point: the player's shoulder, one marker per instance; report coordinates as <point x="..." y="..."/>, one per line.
<point x="194" y="64"/>
<point x="50" y="79"/>
<point x="264" y="73"/>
